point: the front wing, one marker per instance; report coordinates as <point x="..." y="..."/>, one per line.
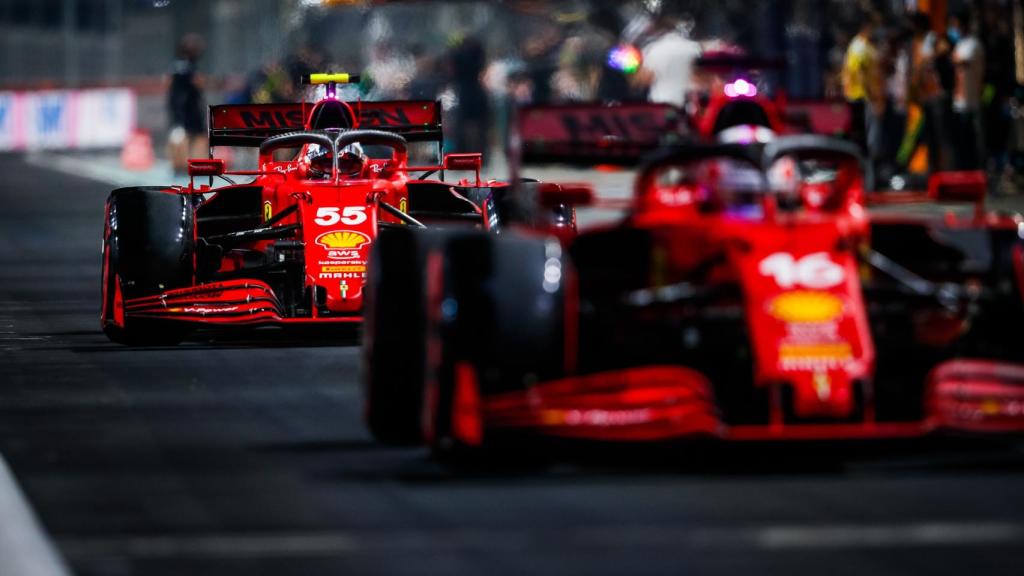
<point x="672" y="402"/>
<point x="238" y="302"/>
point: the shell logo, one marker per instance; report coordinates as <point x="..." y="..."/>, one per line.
<point x="806" y="306"/>
<point x="342" y="239"/>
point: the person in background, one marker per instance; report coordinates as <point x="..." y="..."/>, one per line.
<point x="862" y="87"/>
<point x="187" y="135"/>
<point x="540" y="52"/>
<point x="426" y="82"/>
<point x="612" y="83"/>
<point x="272" y="84"/>
<point x="667" y="65"/>
<point x="896" y="68"/>
<point x="577" y="75"/>
<point x="930" y="54"/>
<point x="969" y="73"/>
<point x="999" y="87"/>
<point x="472" y="116"/>
<point x="833" y="80"/>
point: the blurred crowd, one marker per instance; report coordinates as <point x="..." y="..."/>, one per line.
<point x="919" y="99"/>
<point x="953" y="91"/>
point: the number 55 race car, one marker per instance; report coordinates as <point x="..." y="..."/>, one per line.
<point x="291" y="246"/>
<point x="747" y="295"/>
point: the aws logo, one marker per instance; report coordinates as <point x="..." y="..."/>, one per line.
<point x="341" y="239"/>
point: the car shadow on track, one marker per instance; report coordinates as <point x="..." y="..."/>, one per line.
<point x="345" y="336"/>
<point x="365" y="461"/>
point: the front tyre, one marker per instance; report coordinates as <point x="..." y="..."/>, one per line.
<point x="497" y="326"/>
<point x="394" y="352"/>
<point x="148" y="248"/>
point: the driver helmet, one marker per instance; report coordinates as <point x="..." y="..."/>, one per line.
<point x="351" y="160"/>
<point x="320" y="161"/>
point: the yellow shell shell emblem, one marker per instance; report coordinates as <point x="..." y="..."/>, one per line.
<point x="342" y="239"/>
<point x="806" y="306"/>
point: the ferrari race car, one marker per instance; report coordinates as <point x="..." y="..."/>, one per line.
<point x="747" y="295"/>
<point x="738" y="106"/>
<point x="292" y="245"/>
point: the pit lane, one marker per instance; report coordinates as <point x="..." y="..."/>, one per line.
<point x="245" y="455"/>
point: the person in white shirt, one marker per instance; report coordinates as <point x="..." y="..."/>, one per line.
<point x="969" y="68"/>
<point x="667" y="66"/>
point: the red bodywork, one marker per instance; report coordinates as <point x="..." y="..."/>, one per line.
<point x="800" y="274"/>
<point x="332" y="219"/>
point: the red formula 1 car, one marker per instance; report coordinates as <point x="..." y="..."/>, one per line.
<point x="737" y="106"/>
<point x="748" y="295"/>
<point x="291" y="246"/>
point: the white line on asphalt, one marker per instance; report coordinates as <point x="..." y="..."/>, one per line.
<point x="25" y="548"/>
<point x="334" y="544"/>
<point x="925" y="534"/>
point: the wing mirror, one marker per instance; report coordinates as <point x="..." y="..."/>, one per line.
<point x="468" y="162"/>
<point x="968" y="187"/>
<point x="206" y="167"/>
<point x="575" y="194"/>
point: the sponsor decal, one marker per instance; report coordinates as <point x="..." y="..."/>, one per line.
<point x="343" y="254"/>
<point x="383" y="117"/>
<point x="351" y="259"/>
<point x="343" y="269"/>
<point x="595" y="417"/>
<point x="287" y="168"/>
<point x="609" y="126"/>
<point x="342" y="239"/>
<point x="204" y="309"/>
<point x="823" y="355"/>
<point x="342" y="275"/>
<point x="282" y="118"/>
<point x="806" y="306"/>
<point x="822" y="385"/>
<point x="371" y="115"/>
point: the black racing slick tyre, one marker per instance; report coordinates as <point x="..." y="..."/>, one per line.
<point x="394" y="350"/>
<point x="499" y="328"/>
<point x="148" y="248"/>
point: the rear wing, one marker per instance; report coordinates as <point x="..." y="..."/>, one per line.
<point x="250" y="124"/>
<point x="589" y="134"/>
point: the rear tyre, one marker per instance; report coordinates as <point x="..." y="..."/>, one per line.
<point x="148" y="248"/>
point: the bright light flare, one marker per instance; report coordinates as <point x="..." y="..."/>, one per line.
<point x="625" y="58"/>
<point x="740" y="88"/>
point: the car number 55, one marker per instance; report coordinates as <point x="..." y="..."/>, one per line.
<point x="329" y="216"/>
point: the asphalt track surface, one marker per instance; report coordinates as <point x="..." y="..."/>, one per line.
<point x="245" y="455"/>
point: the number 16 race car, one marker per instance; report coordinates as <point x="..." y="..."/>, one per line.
<point x="291" y="246"/>
<point x="747" y="295"/>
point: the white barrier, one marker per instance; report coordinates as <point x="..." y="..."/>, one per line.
<point x="66" y="119"/>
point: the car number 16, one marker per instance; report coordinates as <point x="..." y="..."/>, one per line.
<point x="811" y="271"/>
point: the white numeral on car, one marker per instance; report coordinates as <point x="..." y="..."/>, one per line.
<point x="353" y="215"/>
<point x="329" y="216"/>
<point x="812" y="271"/>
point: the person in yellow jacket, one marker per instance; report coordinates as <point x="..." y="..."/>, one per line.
<point x="862" y="86"/>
